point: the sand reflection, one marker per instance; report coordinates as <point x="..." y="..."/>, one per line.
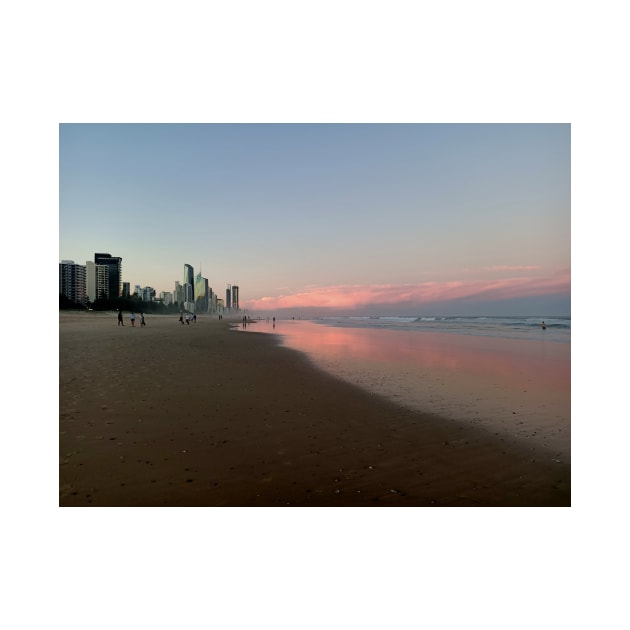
<point x="517" y="387"/>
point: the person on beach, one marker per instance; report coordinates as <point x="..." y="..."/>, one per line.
<point x="543" y="326"/>
<point x="188" y="319"/>
<point x="132" y="317"/>
<point x="181" y="319"/>
<point x="142" y="320"/>
<point x="195" y="318"/>
<point x="120" y="318"/>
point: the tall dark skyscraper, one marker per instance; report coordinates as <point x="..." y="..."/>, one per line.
<point x="228" y="297"/>
<point x="189" y="287"/>
<point x="189" y="274"/>
<point x="114" y="272"/>
<point x="235" y="304"/>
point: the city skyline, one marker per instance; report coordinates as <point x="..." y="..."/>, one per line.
<point x="317" y="218"/>
<point x="101" y="279"/>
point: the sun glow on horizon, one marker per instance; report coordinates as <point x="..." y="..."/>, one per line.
<point x="356" y="296"/>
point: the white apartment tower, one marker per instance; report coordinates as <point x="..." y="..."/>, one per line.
<point x="96" y="281"/>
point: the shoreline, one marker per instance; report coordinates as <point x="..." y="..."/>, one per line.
<point x="519" y="388"/>
<point x="199" y="415"/>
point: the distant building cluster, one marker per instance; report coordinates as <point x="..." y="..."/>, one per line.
<point x="101" y="280"/>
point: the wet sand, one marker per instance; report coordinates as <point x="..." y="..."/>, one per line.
<point x="201" y="415"/>
<point x="516" y="387"/>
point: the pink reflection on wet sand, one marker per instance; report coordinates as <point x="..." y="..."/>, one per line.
<point x="518" y="388"/>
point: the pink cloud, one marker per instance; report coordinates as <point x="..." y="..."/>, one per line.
<point x="512" y="268"/>
<point x="354" y="296"/>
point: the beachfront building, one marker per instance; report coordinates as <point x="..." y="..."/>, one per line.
<point x="126" y="289"/>
<point x="228" y="297"/>
<point x="146" y="294"/>
<point x="201" y="294"/>
<point x="72" y="281"/>
<point x="114" y="272"/>
<point x="166" y="297"/>
<point x="235" y="305"/>
<point x="189" y="288"/>
<point x="178" y="293"/>
<point x="96" y="281"/>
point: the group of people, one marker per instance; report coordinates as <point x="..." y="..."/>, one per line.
<point x="132" y="318"/>
<point x="188" y="318"/>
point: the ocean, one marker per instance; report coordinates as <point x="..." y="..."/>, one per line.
<point x="507" y="375"/>
<point x="528" y="327"/>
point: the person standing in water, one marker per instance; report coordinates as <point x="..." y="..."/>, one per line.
<point x="543" y="326"/>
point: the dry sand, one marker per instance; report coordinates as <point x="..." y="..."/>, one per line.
<point x="200" y="415"/>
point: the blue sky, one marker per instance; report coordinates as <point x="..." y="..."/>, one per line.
<point x="431" y="217"/>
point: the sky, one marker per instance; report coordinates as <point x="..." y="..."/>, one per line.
<point x="313" y="219"/>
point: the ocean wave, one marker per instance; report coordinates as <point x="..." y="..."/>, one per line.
<point x="398" y="319"/>
<point x="524" y="327"/>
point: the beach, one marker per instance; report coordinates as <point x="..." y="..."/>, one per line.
<point x="202" y="415"/>
<point x="518" y="386"/>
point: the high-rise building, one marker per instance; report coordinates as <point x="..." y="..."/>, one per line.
<point x="235" y="304"/>
<point x="96" y="281"/>
<point x="72" y="281"/>
<point x="126" y="289"/>
<point x="146" y="294"/>
<point x="114" y="267"/>
<point x="228" y="297"/>
<point x="178" y="294"/>
<point x="189" y="288"/>
<point x="201" y="294"/>
<point x="189" y="274"/>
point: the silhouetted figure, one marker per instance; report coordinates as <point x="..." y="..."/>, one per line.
<point x="195" y="318"/>
<point x="142" y="322"/>
<point x="120" y="318"/>
<point x="543" y="326"/>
